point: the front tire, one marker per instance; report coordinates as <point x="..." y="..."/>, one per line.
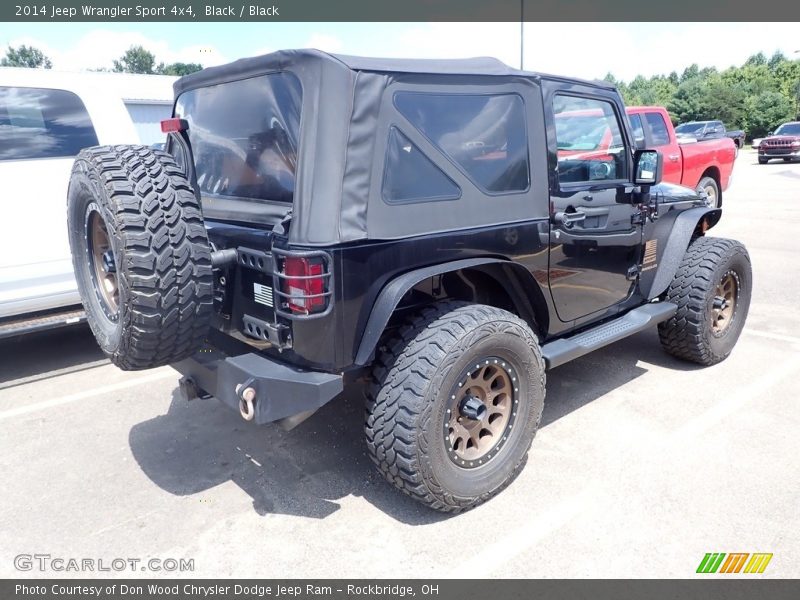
<point x="141" y="255"/>
<point x="762" y="161"/>
<point x="454" y="403"/>
<point x="712" y="288"/>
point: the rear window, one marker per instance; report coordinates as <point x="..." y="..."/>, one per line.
<point x="658" y="128"/>
<point x="42" y="123"/>
<point x="244" y="136"/>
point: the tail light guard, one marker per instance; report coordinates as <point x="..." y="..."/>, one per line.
<point x="302" y="283"/>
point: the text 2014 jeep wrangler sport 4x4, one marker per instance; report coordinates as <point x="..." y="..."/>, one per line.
<point x="436" y="227"/>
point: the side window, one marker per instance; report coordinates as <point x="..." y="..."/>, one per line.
<point x="636" y="126"/>
<point x="658" y="129"/>
<point x="589" y="140"/>
<point x="410" y="176"/>
<point x="484" y="135"/>
<point x="42" y="123"/>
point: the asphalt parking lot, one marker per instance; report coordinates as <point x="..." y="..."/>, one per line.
<point x="643" y="464"/>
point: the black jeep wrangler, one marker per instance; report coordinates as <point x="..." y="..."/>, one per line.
<point x="445" y="230"/>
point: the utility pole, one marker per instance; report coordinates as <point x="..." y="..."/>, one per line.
<point x="522" y="34"/>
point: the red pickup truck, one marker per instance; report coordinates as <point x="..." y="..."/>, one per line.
<point x="705" y="165"/>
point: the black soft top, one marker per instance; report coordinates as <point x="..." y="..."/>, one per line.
<point x="345" y="120"/>
<point x="287" y="59"/>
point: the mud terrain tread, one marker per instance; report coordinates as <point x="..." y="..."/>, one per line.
<point x="396" y="409"/>
<point x="683" y="335"/>
<point x="167" y="257"/>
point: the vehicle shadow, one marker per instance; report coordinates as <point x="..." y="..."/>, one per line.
<point x="201" y="444"/>
<point x="306" y="472"/>
<point x="41" y="355"/>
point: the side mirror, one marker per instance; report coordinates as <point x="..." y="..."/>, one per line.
<point x="648" y="166"/>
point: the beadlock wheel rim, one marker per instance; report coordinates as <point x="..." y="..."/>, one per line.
<point x="723" y="309"/>
<point x="470" y="442"/>
<point x="101" y="262"/>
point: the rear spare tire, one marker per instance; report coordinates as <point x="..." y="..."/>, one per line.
<point x="141" y="255"/>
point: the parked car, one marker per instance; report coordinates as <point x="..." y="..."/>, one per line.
<point x="709" y="130"/>
<point x="783" y="143"/>
<point x="46" y="118"/>
<point x="408" y="235"/>
<point x="707" y="166"/>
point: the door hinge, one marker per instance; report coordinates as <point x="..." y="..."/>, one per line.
<point x="639" y="217"/>
<point x="633" y="273"/>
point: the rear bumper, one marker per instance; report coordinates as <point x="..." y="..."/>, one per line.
<point x="281" y="391"/>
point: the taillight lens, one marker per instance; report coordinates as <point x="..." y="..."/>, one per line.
<point x="174" y="125"/>
<point x="305" y="284"/>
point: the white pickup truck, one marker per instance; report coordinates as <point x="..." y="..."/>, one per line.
<point x="46" y="118"/>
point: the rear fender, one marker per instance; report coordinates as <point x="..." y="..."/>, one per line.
<point x="526" y="295"/>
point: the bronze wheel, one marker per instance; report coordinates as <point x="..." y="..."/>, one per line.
<point x="454" y="402"/>
<point x="481" y="412"/>
<point x="724" y="303"/>
<point x="103" y="266"/>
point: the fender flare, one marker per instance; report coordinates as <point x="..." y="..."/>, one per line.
<point x="391" y="294"/>
<point x="673" y="236"/>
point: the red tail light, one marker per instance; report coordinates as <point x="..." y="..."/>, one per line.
<point x="305" y="284"/>
<point x="173" y="125"/>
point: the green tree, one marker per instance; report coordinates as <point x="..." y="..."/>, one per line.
<point x="766" y="111"/>
<point x="756" y="96"/>
<point x="26" y="56"/>
<point x="136" y="60"/>
<point x="689" y="103"/>
<point x="178" y="68"/>
<point x="756" y="60"/>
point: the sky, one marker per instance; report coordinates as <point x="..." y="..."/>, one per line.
<point x="587" y="50"/>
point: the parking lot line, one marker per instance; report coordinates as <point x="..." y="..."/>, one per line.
<point x="106" y="389"/>
<point x="772" y="336"/>
<point x="733" y="403"/>
<point x="525" y="535"/>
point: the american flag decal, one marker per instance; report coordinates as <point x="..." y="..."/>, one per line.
<point x="650" y="255"/>
<point x="263" y="294"/>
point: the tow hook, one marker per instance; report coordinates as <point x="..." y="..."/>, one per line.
<point x="247" y="400"/>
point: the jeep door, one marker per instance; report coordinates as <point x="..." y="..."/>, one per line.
<point x="595" y="238"/>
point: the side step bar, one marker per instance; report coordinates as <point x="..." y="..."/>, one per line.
<point x="41" y="321"/>
<point x="564" y="350"/>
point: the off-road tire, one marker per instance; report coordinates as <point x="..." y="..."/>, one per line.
<point x="161" y="253"/>
<point x="689" y="334"/>
<point x="707" y="183"/>
<point x="407" y="397"/>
